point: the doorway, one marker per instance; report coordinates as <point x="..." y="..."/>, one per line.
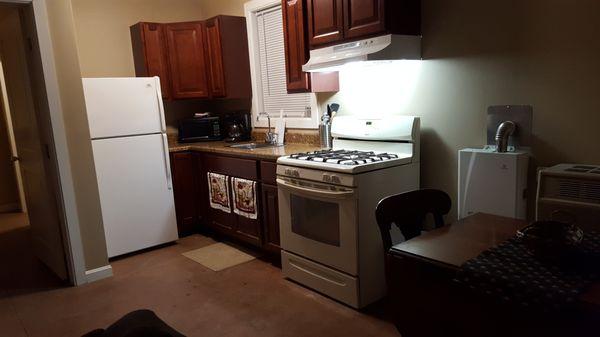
<point x="32" y="243"/>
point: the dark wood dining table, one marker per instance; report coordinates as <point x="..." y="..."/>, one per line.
<point x="426" y="300"/>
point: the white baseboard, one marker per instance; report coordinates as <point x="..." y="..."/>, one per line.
<point x="98" y="273"/>
<point x="12" y="207"/>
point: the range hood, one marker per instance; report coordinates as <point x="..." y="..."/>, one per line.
<point x="381" y="48"/>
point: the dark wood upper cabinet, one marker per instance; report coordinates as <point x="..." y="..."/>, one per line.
<point x="228" y="58"/>
<point x="325" y="21"/>
<point x="337" y="21"/>
<point x="215" y="58"/>
<point x="297" y="52"/>
<point x="200" y="59"/>
<point x="363" y="17"/>
<point x="150" y="53"/>
<point x="186" y="44"/>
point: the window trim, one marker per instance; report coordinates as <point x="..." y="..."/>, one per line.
<point x="312" y="122"/>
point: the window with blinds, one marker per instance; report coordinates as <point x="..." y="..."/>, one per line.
<point x="271" y="56"/>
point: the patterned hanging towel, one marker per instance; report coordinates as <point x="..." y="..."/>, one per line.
<point x="244" y="197"/>
<point x="219" y="192"/>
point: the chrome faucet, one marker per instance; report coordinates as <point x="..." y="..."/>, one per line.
<point x="270" y="136"/>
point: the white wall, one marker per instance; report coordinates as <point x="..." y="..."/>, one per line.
<point x="62" y="30"/>
<point x="480" y="53"/>
<point x="102" y="29"/>
<point x="477" y="53"/>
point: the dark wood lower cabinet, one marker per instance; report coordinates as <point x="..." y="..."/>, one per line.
<point x="270" y="218"/>
<point x="249" y="230"/>
<point x="231" y="224"/>
<point x="184" y="191"/>
<point x="192" y="202"/>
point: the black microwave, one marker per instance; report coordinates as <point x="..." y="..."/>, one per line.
<point x="199" y="129"/>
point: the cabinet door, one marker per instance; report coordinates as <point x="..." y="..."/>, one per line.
<point x="325" y="21"/>
<point x="249" y="230"/>
<point x="150" y="53"/>
<point x="296" y="51"/>
<point x="184" y="189"/>
<point x="201" y="197"/>
<point x="270" y="216"/>
<point x="214" y="52"/>
<point x="186" y="59"/>
<point x="363" y="17"/>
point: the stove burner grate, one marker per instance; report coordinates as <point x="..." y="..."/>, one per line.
<point x="344" y="157"/>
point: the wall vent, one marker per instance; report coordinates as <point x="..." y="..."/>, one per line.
<point x="579" y="190"/>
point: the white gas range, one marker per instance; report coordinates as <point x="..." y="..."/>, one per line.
<point x="327" y="202"/>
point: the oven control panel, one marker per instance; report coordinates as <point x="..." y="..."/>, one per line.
<point x="332" y="178"/>
<point x="292" y="173"/>
<point x="317" y="175"/>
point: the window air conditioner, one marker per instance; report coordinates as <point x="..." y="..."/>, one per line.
<point x="570" y="192"/>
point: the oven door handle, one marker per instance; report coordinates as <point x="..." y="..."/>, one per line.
<point x="315" y="192"/>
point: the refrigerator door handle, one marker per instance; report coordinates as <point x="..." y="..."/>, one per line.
<point x="161" y="108"/>
<point x="167" y="165"/>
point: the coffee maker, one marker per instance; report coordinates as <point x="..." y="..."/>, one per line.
<point x="237" y="126"/>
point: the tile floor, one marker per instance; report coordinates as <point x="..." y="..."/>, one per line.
<point x="250" y="299"/>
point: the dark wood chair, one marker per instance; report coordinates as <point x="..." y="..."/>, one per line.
<point x="408" y="211"/>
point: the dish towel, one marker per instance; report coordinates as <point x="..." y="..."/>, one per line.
<point x="219" y="192"/>
<point x="244" y="197"/>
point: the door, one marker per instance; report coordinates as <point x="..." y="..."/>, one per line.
<point x="35" y="145"/>
<point x="12" y="184"/>
<point x="363" y="18"/>
<point x="325" y="21"/>
<point x="123" y="106"/>
<point x="319" y="222"/>
<point x="296" y="51"/>
<point x="270" y="217"/>
<point x="214" y="51"/>
<point x="136" y="196"/>
<point x="186" y="44"/>
<point x="150" y="53"/>
<point x="185" y="191"/>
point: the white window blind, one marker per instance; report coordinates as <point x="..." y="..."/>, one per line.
<point x="272" y="78"/>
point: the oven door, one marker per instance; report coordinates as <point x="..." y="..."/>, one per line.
<point x="319" y="222"/>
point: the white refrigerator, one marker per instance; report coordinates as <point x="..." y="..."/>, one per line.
<point x="131" y="156"/>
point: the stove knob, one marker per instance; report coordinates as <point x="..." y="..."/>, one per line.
<point x="295" y="173"/>
<point x="326" y="178"/>
<point x="336" y="179"/>
<point x="288" y="172"/>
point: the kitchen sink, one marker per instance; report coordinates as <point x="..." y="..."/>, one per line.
<point x="252" y="146"/>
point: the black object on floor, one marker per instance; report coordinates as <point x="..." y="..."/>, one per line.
<point x="139" y="323"/>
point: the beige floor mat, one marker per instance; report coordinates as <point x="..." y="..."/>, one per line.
<point x="219" y="256"/>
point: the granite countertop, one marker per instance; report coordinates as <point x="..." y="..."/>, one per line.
<point x="268" y="153"/>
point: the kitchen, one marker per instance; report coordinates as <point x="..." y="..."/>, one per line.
<point x="472" y="59"/>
